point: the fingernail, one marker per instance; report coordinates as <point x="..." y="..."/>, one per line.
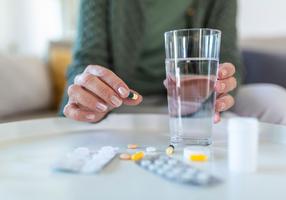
<point x="216" y="118"/>
<point x="96" y="72"/>
<point x="78" y="79"/>
<point x="222" y="106"/>
<point x="123" y="91"/>
<point x="90" y="117"/>
<point x="222" y="86"/>
<point x="223" y="72"/>
<point x="101" y="106"/>
<point x="116" y="101"/>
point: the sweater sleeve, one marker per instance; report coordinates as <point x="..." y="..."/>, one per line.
<point x="91" y="45"/>
<point x="222" y="15"/>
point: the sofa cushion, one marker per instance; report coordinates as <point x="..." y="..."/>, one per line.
<point x="24" y="85"/>
<point x="264" y="67"/>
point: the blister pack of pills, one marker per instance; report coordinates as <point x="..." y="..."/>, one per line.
<point x="176" y="170"/>
<point x="82" y="160"/>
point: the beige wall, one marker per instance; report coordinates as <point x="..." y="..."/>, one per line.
<point x="262" y="18"/>
<point x="27" y="25"/>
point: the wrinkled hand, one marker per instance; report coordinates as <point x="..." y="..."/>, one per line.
<point x="95" y="92"/>
<point x="194" y="90"/>
<point x="225" y="83"/>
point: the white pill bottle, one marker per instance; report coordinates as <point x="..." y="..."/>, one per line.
<point x="243" y="135"/>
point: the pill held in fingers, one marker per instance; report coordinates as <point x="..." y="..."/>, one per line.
<point x="132" y="96"/>
<point x="151" y="149"/>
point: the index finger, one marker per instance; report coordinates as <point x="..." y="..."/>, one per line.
<point x="110" y="78"/>
<point x="226" y="70"/>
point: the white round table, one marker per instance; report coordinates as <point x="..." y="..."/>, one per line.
<point x="28" y="150"/>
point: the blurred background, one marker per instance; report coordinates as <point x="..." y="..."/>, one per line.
<point x="36" y="38"/>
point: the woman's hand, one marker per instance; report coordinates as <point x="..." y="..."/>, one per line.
<point x="95" y="92"/>
<point x="225" y="83"/>
<point x="194" y="88"/>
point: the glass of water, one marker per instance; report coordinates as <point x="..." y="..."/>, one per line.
<point x="192" y="59"/>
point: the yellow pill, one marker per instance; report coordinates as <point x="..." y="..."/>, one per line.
<point x="170" y="150"/>
<point x="125" y="156"/>
<point x="132" y="146"/>
<point x="198" y="157"/>
<point x="137" y="156"/>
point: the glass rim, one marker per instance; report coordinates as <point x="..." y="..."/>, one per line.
<point x="216" y="31"/>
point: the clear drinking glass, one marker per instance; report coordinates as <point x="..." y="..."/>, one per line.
<point x="192" y="59"/>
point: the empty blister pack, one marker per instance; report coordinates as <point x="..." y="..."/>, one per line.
<point x="82" y="160"/>
<point x="176" y="170"/>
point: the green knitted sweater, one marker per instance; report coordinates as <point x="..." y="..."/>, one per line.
<point x="112" y="33"/>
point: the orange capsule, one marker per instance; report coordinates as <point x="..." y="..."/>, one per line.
<point x="125" y="156"/>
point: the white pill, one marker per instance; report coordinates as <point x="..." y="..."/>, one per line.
<point x="177" y="171"/>
<point x="152" y="167"/>
<point x="145" y="163"/>
<point x="170" y="175"/>
<point x="158" y="162"/>
<point x="151" y="149"/>
<point x="186" y="177"/>
<point x="166" y="167"/>
<point x="172" y="162"/>
<point x="160" y="171"/>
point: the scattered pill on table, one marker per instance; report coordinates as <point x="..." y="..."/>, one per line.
<point x="145" y="163"/>
<point x="170" y="150"/>
<point x="137" y="156"/>
<point x="125" y="156"/>
<point x="151" y="149"/>
<point x="132" y="146"/>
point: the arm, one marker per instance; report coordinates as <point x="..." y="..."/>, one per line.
<point x="91" y="45"/>
<point x="93" y="90"/>
<point x="222" y="15"/>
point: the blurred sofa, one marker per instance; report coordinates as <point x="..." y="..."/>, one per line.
<point x="32" y="88"/>
<point x="264" y="67"/>
<point x="25" y="87"/>
<point x="264" y="60"/>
